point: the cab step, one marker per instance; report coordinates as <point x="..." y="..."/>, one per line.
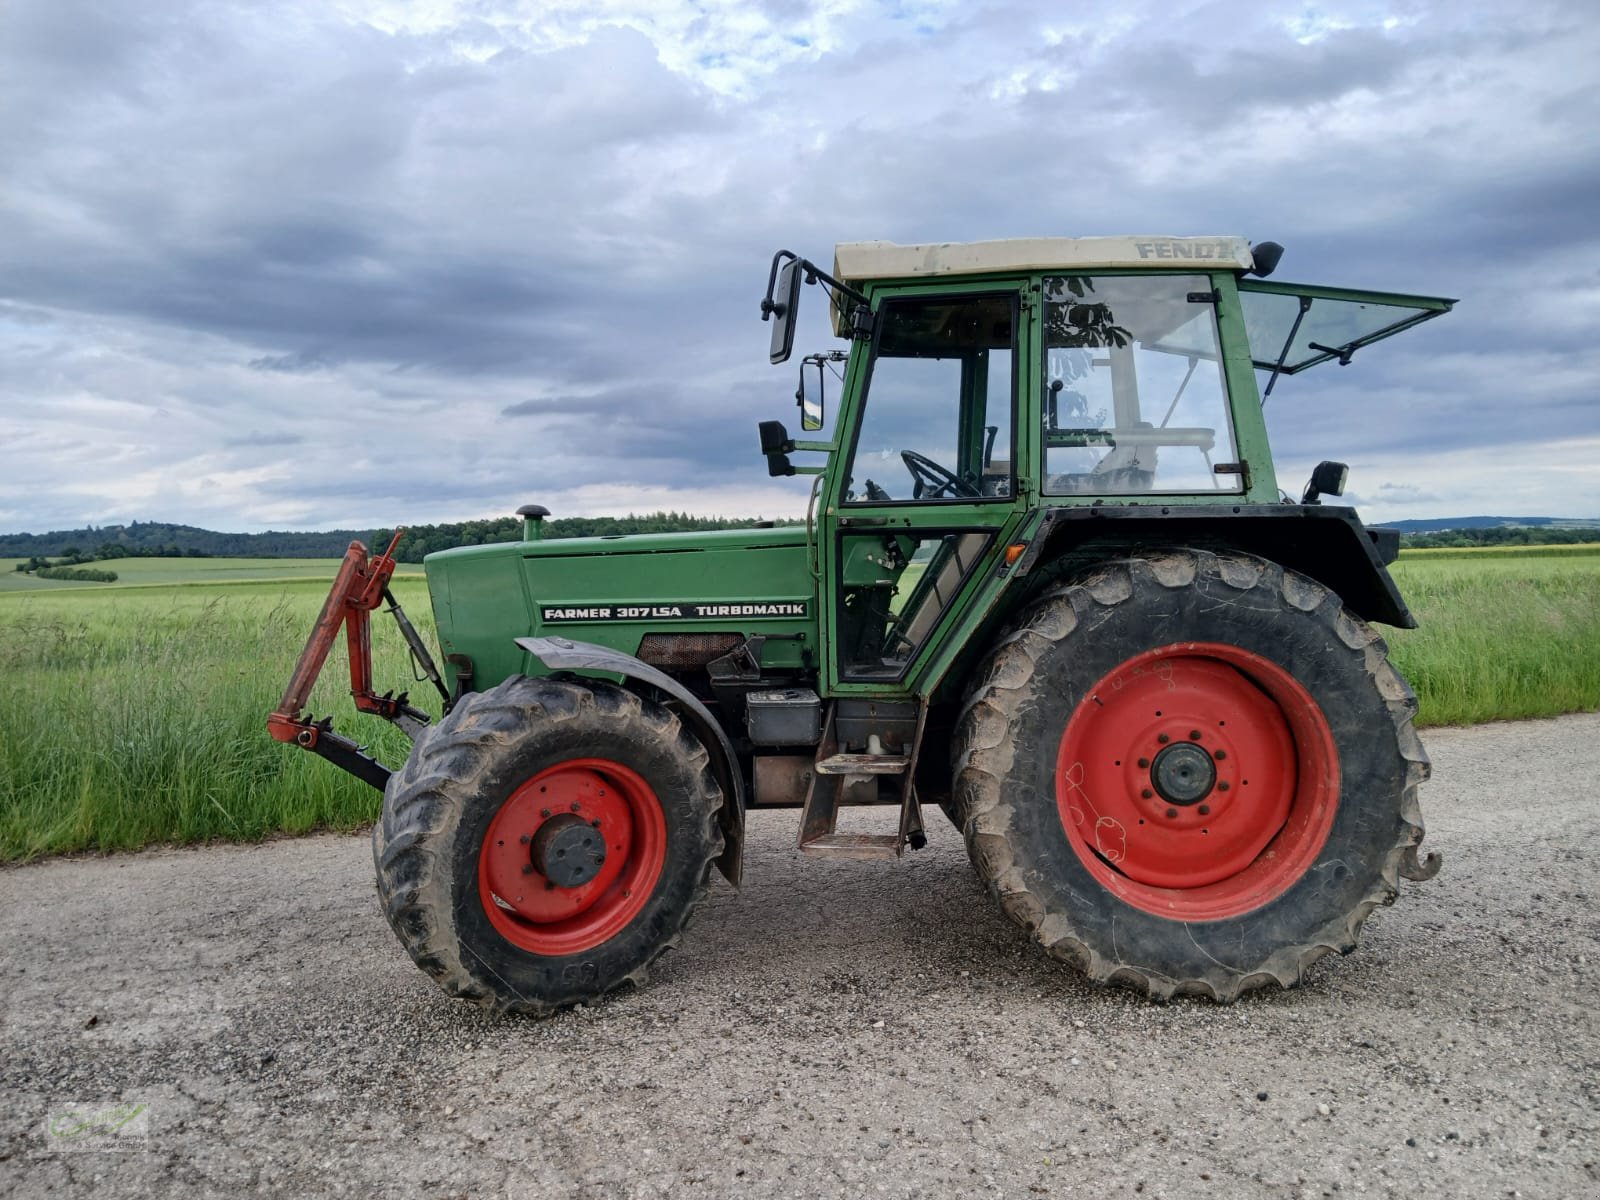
<point x="858" y="846"/>
<point x="863" y="764"/>
<point x="835" y="771"/>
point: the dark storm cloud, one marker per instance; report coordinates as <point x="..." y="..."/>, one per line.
<point x="530" y="246"/>
<point x="297" y="363"/>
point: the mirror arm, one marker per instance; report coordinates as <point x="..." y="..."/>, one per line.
<point x="814" y="274"/>
<point x="778" y="259"/>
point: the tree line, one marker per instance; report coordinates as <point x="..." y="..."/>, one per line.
<point x="70" y="567"/>
<point x="163" y="540"/>
<point x="1501" y="535"/>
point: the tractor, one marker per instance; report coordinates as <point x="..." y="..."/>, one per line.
<point x="1047" y="583"/>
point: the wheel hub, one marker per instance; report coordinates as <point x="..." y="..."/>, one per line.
<point x="1178" y="769"/>
<point x="1183" y="773"/>
<point x="568" y="850"/>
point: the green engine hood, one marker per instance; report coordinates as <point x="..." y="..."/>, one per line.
<point x="615" y="591"/>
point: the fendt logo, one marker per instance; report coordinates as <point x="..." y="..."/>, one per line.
<point x="1176" y="249"/>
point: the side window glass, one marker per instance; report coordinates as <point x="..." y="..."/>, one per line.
<point x="894" y="589"/>
<point x="937" y="421"/>
<point x="1135" y="399"/>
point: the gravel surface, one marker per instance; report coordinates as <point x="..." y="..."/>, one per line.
<point x="835" y="1029"/>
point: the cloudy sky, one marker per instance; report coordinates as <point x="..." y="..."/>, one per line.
<point x="348" y="262"/>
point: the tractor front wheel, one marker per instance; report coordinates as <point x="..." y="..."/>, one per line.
<point x="546" y="842"/>
<point x="1191" y="773"/>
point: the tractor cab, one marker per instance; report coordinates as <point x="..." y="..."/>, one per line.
<point x="1140" y="379"/>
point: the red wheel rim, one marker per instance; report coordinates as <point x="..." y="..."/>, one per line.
<point x="533" y="913"/>
<point x="1197" y="781"/>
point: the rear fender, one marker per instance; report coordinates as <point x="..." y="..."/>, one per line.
<point x="564" y="654"/>
<point x="1324" y="541"/>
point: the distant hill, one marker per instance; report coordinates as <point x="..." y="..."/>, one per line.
<point x="1438" y="524"/>
<point x="161" y="538"/>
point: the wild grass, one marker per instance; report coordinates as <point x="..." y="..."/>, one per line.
<point x="1504" y="633"/>
<point x="133" y="715"/>
<point x="139" y="715"/>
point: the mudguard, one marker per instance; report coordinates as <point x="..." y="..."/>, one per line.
<point x="1327" y="542"/>
<point x="564" y="654"/>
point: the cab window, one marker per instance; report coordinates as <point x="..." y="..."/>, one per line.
<point x="937" y="421"/>
<point x="1135" y="399"/>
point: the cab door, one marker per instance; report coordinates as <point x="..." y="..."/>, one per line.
<point x="917" y="513"/>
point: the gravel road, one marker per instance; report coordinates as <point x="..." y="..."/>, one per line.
<point x="834" y="1029"/>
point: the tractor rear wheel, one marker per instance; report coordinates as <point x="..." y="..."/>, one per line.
<point x="1190" y="773"/>
<point x="546" y="842"/>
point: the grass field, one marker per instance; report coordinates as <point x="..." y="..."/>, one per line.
<point x="134" y="712"/>
<point x="137" y="714"/>
<point x="1505" y="633"/>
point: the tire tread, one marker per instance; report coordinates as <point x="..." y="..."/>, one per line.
<point x="425" y="798"/>
<point x="983" y="759"/>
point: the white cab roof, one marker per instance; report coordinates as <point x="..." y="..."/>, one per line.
<point x="857" y="261"/>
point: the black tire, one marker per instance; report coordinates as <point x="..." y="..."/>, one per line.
<point x="439" y="806"/>
<point x="1073" y="639"/>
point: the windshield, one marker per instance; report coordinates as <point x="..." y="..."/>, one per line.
<point x="1135" y="399"/>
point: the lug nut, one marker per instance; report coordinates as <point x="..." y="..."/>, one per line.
<point x="1205" y="810"/>
<point x="1172" y="812"/>
<point x="1147" y="793"/>
<point x="527" y="869"/>
<point x="1144" y="762"/>
<point x="575" y="806"/>
<point x="1223" y="786"/>
<point x="1220" y="755"/>
<point x="526" y="838"/>
<point x="1194" y="735"/>
<point x="596" y="824"/>
<point x="1163" y="739"/>
<point x="544" y="812"/>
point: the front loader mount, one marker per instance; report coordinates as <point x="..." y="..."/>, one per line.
<point x="360" y="587"/>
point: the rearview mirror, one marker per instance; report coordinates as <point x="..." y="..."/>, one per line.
<point x="785" y="304"/>
<point x="813" y="403"/>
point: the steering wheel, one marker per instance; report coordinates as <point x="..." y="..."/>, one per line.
<point x="931" y="481"/>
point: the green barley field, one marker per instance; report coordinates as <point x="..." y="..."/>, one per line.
<point x="133" y="713"/>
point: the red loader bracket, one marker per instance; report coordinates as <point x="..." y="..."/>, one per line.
<point x="360" y="587"/>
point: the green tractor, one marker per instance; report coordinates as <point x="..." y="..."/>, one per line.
<point x="1047" y="582"/>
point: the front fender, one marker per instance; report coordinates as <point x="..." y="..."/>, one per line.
<point x="564" y="654"/>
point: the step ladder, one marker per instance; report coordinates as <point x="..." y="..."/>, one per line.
<point x="833" y="774"/>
